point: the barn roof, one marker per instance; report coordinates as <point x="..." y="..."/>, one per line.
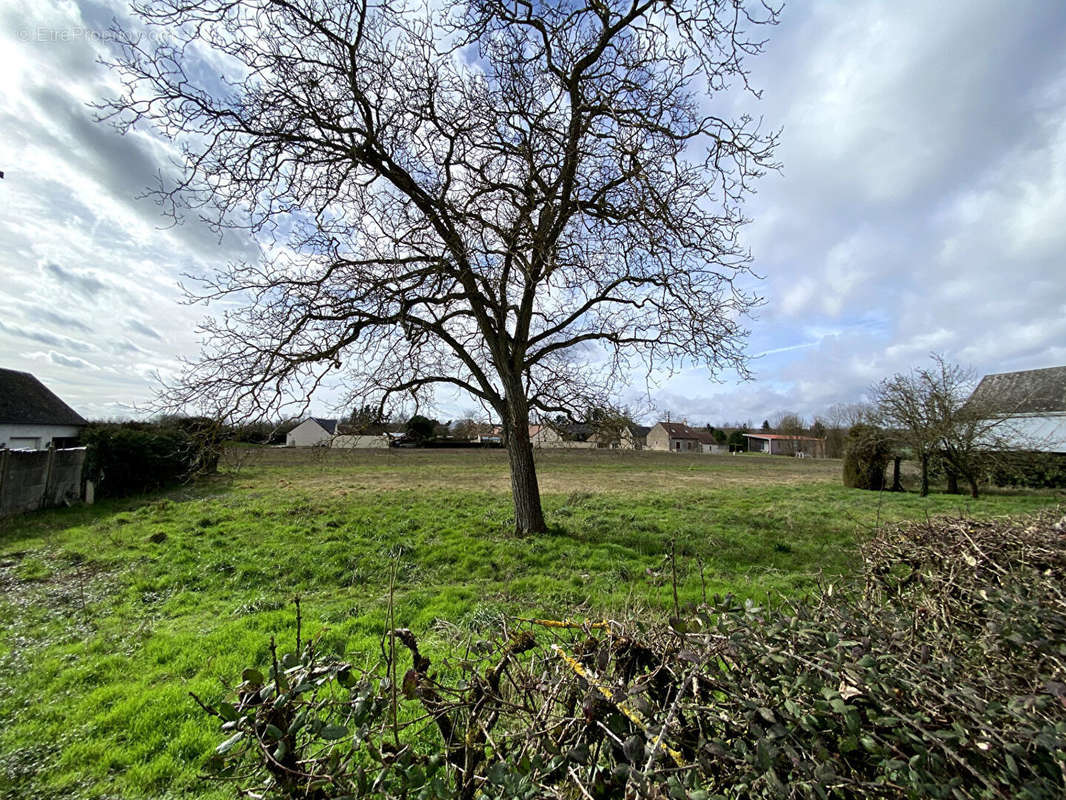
<point x="1033" y="391"/>
<point x="24" y="400"/>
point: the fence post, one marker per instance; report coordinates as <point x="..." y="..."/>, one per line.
<point x="3" y="475"/>
<point x="49" y="477"/>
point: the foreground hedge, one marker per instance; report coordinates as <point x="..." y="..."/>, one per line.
<point x="941" y="675"/>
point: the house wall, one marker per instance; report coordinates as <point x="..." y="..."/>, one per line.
<point x="546" y="437"/>
<point x="307" y="434"/>
<point x="549" y="437"/>
<point x="1045" y="433"/>
<point x="361" y="442"/>
<point x="658" y="438"/>
<point x="35" y="437"/>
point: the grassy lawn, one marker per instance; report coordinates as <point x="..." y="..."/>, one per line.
<point x="111" y="614"/>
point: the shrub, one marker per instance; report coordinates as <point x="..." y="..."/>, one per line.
<point x="943" y="677"/>
<point x="1028" y="470"/>
<point x="866" y="450"/>
<point x="137" y="457"/>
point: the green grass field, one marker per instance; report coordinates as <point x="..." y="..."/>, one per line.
<point x="111" y="614"/>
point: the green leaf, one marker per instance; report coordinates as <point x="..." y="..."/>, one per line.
<point x="332" y="732"/>
<point x="227" y="712"/>
<point x="252" y="677"/>
<point x="229" y="744"/>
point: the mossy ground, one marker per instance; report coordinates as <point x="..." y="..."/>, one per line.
<point x="111" y="614"/>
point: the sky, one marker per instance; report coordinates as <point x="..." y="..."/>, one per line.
<point x="921" y="207"/>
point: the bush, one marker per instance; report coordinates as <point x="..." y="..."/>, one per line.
<point x="866" y="451"/>
<point x="138" y="457"/>
<point x="1028" y="470"/>
<point x="942" y="677"/>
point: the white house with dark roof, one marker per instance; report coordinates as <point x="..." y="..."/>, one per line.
<point x="312" y="432"/>
<point x="1032" y="404"/>
<point x="32" y="417"/>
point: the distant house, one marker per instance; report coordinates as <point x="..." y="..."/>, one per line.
<point x="680" y="438"/>
<point x="784" y="444"/>
<point x="586" y="436"/>
<point x="32" y="417"/>
<point x="1032" y="403"/>
<point x="632" y="437"/>
<point x="312" y="432"/>
<point x="573" y="436"/>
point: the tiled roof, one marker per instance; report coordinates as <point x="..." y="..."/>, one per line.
<point x="1033" y="391"/>
<point x="24" y="400"/>
<point x="678" y="430"/>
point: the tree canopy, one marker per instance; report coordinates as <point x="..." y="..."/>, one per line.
<point x="522" y="201"/>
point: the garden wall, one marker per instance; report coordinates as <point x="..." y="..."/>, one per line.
<point x="33" y="479"/>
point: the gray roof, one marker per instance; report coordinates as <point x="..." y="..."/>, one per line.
<point x="24" y="400"/>
<point x="330" y="425"/>
<point x="679" y="430"/>
<point x="1034" y="391"/>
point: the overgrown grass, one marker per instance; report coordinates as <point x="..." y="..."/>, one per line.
<point x="110" y="615"/>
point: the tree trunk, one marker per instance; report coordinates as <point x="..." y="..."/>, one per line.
<point x="528" y="514"/>
<point x="953" y="482"/>
<point x="897" y="484"/>
<point x="972" y="480"/>
<point x="924" y="490"/>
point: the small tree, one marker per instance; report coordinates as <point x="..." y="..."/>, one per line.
<point x="933" y="411"/>
<point x="738" y="443"/>
<point x="420" y="428"/>
<point x="907" y="402"/>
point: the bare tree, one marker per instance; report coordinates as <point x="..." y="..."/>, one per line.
<point x="909" y="404"/>
<point x="525" y="201"/>
<point x="839" y="419"/>
<point x="933" y="409"/>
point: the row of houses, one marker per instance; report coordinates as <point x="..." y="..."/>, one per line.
<point x="32" y="417"/>
<point x="673" y="437"/>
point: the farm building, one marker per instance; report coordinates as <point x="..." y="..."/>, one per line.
<point x="32" y="417"/>
<point x="312" y="432"/>
<point x="784" y="444"/>
<point x="680" y="438"/>
<point x="1032" y="402"/>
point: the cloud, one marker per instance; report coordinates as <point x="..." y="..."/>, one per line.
<point x="144" y="330"/>
<point x="46" y="337"/>
<point x="60" y="360"/>
<point x="53" y="317"/>
<point x="920" y="207"/>
<point x="84" y="283"/>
